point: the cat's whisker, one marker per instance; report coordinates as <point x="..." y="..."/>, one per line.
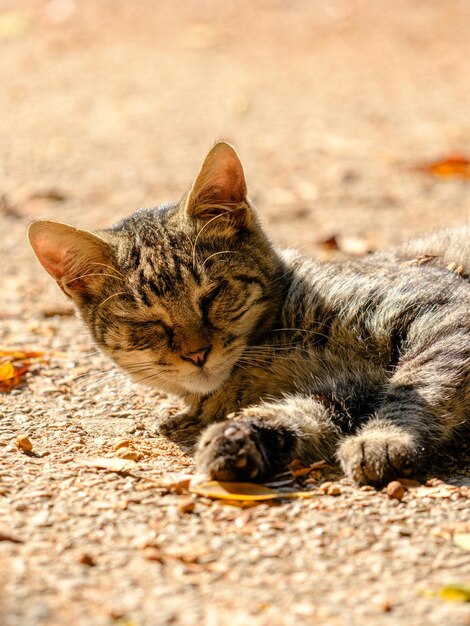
<point x="73" y="280"/>
<point x="211" y="256"/>
<point x="113" y="295"/>
<point x="114" y="269"/>
<point x="96" y="382"/>
<point x="201" y="230"/>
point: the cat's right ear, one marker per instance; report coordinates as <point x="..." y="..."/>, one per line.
<point x="76" y="259"/>
<point x="218" y="194"/>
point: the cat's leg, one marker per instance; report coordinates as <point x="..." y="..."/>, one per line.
<point x="427" y="398"/>
<point x="260" y="440"/>
<point x="175" y="422"/>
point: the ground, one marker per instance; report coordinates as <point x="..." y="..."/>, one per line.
<point x="107" y="106"/>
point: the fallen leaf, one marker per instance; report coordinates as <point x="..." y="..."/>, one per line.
<point x="113" y="465"/>
<point x="296" y="468"/>
<point x="244" y="491"/>
<point x="453" y="166"/>
<point x="421" y="259"/>
<point x="455" y="593"/>
<point x="20" y="355"/>
<point x="15" y="363"/>
<point x="462" y="540"/>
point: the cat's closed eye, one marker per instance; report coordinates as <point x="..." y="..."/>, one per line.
<point x="147" y="334"/>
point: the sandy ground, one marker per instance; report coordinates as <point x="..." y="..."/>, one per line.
<point x="107" y="106"/>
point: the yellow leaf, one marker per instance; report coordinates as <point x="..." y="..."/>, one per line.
<point x="462" y="540"/>
<point x="20" y="355"/>
<point x="244" y="491"/>
<point x="455" y="593"/>
<point x="7" y="371"/>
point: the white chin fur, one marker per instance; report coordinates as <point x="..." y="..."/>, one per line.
<point x="202" y="383"/>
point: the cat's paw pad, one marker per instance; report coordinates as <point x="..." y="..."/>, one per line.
<point x="231" y="451"/>
<point x="374" y="457"/>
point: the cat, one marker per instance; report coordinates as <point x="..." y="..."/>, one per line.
<point x="279" y="357"/>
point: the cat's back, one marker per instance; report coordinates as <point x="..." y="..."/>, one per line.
<point x="449" y="248"/>
<point x="425" y="276"/>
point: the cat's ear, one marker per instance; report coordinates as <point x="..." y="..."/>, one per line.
<point x="76" y="259"/>
<point x="218" y="194"/>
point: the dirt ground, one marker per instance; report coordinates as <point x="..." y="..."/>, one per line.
<point x="107" y="106"/>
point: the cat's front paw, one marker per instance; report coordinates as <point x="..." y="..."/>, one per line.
<point x="231" y="451"/>
<point x="378" y="454"/>
<point x="175" y="424"/>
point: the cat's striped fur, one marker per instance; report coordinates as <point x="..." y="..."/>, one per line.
<point x="280" y="356"/>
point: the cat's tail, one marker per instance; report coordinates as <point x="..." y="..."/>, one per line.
<point x="450" y="247"/>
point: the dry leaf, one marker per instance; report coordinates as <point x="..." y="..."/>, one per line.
<point x="20" y="355"/>
<point x="462" y="540"/>
<point x="244" y="491"/>
<point x="113" y="465"/>
<point x="15" y="363"/>
<point x="455" y="593"/>
<point x="297" y="468"/>
<point x="453" y="166"/>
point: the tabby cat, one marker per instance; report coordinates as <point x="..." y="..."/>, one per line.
<point x="279" y="356"/>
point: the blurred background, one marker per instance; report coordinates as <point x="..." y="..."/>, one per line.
<point x="351" y="116"/>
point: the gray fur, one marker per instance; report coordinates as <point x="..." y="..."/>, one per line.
<point x="365" y="361"/>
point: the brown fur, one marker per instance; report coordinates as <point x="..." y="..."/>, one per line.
<point x="281" y="356"/>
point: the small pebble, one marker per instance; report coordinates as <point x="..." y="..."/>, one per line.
<point x="187" y="506"/>
<point x="330" y="488"/>
<point x="23" y="443"/>
<point x="122" y="443"/>
<point x="128" y="454"/>
<point x="395" y="490"/>
<point x="86" y="559"/>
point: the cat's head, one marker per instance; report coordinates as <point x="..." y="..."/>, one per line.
<point x="172" y="294"/>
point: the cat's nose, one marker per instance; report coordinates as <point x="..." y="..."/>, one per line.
<point x="198" y="357"/>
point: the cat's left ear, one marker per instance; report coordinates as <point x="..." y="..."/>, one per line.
<point x="218" y="194"/>
<point x="76" y="259"/>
